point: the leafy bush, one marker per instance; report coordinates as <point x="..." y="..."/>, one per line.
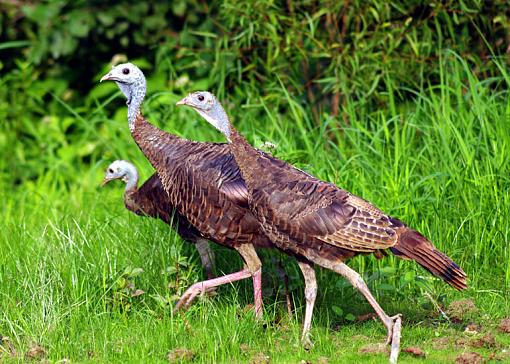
<point x="313" y="61"/>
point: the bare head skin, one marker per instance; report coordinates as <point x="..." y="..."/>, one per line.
<point x="131" y="82"/>
<point x="206" y="104"/>
<point x="124" y="171"/>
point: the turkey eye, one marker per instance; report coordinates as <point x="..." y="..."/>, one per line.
<point x="125" y="71"/>
<point x="201" y="97"/>
<point x="110" y="170"/>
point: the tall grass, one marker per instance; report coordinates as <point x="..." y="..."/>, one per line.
<point x="439" y="162"/>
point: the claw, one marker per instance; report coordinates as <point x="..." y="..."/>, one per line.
<point x="390" y="324"/>
<point x="188" y="297"/>
<point x="306" y="341"/>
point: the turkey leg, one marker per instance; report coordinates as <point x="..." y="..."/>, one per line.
<point x="254" y="270"/>
<point x="355" y="279"/>
<point x="206" y="256"/>
<point x="310" y="294"/>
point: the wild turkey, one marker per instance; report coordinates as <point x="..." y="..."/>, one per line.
<point x="320" y="223"/>
<point x="152" y="200"/>
<point x="204" y="184"/>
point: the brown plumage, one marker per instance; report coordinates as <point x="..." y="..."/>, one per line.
<point x="317" y="219"/>
<point x="319" y="222"/>
<point x="152" y="200"/>
<point x="202" y="182"/>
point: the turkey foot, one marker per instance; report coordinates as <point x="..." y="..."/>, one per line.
<point x="205" y="286"/>
<point x="393" y="330"/>
<point x="395" y="340"/>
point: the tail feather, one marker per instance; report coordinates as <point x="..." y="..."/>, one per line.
<point x="412" y="245"/>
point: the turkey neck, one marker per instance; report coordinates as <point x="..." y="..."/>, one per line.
<point x="246" y="158"/>
<point x="131" y="179"/>
<point x="157" y="145"/>
<point x="152" y="141"/>
<point x="135" y="94"/>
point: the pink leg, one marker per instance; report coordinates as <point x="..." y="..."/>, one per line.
<point x="247" y="251"/>
<point x="254" y="270"/>
<point x="393" y="331"/>
<point x="310" y="294"/>
<point x="202" y="287"/>
<point x="257" y="292"/>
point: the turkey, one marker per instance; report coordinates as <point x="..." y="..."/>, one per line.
<point x="320" y="223"/>
<point x="204" y="184"/>
<point x="151" y="200"/>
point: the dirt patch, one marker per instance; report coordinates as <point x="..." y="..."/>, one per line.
<point x="504" y="355"/>
<point x="259" y="358"/>
<point x="322" y="360"/>
<point x="374" y="349"/>
<point x="461" y="310"/>
<point x="473" y="329"/>
<point x="469" y="358"/>
<point x="244" y="348"/>
<point x="486" y="341"/>
<point x="479" y="341"/>
<point x="504" y="325"/>
<point x="414" y="351"/>
<point x="366" y="317"/>
<point x="35" y="351"/>
<point x="178" y="355"/>
<point x="462" y="343"/>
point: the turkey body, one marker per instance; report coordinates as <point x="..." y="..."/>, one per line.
<point x="204" y="184"/>
<point x="152" y="200"/>
<point x="326" y="224"/>
<point x="201" y="183"/>
<point x="320" y="223"/>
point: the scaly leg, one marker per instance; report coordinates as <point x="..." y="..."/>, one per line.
<point x="356" y="280"/>
<point x="202" y="287"/>
<point x="310" y="294"/>
<point x="254" y="265"/>
<point x="206" y="256"/>
<point x="254" y="270"/>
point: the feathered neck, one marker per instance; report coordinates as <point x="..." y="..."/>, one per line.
<point x="131" y="178"/>
<point x="218" y="118"/>
<point x="135" y="94"/>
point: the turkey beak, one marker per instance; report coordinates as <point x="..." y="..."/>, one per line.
<point x="105" y="181"/>
<point x="183" y="101"/>
<point x="106" y="77"/>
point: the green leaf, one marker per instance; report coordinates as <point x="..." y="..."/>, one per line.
<point x="79" y="24"/>
<point x="337" y="310"/>
<point x="179" y="8"/>
<point x="386" y="287"/>
<point x="350" y="317"/>
<point x="387" y="270"/>
<point x="106" y="18"/>
<point x="136" y="272"/>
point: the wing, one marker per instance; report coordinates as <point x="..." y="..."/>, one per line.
<point x="309" y="209"/>
<point x="153" y="200"/>
<point x="218" y="166"/>
<point x="207" y="188"/>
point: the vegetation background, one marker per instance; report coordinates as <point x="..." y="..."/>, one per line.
<point x="403" y="103"/>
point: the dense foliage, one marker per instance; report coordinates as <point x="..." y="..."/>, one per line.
<point x="329" y="55"/>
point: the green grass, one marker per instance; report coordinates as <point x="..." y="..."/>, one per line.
<point x="69" y="249"/>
